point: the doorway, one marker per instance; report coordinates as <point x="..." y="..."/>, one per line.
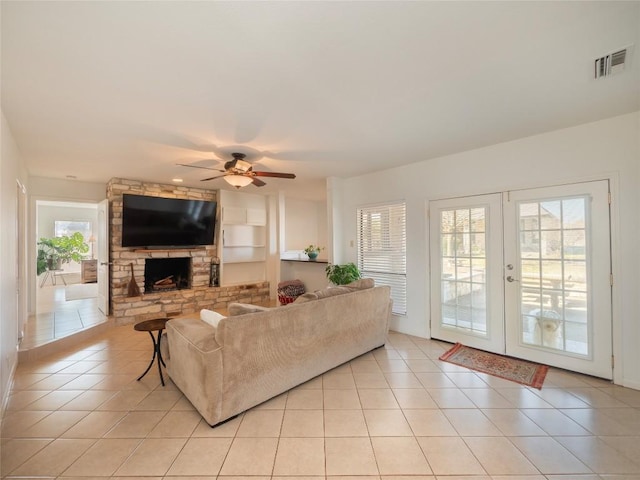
<point x="526" y="273"/>
<point x="66" y="294"/>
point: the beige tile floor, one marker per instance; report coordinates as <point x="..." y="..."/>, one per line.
<point x="56" y="318"/>
<point x="394" y="412"/>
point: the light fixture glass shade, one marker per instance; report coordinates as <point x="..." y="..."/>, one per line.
<point x="238" y="180"/>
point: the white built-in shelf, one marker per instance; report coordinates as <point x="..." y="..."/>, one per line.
<point x="243" y="235"/>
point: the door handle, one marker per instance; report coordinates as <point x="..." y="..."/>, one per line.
<point x="511" y="279"/>
<point x="106" y="263"/>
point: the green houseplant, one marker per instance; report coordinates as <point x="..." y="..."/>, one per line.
<point x="55" y="251"/>
<point x="342" y="274"/>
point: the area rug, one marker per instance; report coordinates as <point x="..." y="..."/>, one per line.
<point x="513" y="369"/>
<point x="80" y="291"/>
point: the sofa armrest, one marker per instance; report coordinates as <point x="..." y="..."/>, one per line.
<point x="199" y="333"/>
<point x="195" y="365"/>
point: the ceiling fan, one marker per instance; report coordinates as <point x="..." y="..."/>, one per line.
<point x="239" y="173"/>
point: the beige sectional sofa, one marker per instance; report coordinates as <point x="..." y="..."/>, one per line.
<point x="251" y="357"/>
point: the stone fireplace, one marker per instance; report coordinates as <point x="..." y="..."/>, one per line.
<point x="166" y="274"/>
<point x="191" y="272"/>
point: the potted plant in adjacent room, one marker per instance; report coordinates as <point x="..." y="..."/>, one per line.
<point x="342" y="274"/>
<point x="312" y="251"/>
<point x="54" y="252"/>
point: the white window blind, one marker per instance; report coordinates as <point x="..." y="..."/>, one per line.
<point x="382" y="249"/>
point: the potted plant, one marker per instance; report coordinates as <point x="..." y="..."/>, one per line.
<point x="54" y="252"/>
<point x="312" y="251"/>
<point x="342" y="274"/>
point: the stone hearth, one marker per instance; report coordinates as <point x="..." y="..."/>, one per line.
<point x="156" y="304"/>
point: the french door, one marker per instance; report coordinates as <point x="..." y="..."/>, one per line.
<point x="527" y="275"/>
<point x="466" y="283"/>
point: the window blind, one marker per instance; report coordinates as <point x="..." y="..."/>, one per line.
<point x="382" y="249"/>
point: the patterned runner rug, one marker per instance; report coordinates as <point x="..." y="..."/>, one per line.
<point x="513" y="369"/>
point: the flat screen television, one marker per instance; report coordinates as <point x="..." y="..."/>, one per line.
<point x="157" y="222"/>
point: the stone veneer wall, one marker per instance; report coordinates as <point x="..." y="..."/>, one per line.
<point x="127" y="310"/>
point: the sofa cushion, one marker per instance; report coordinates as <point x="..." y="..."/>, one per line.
<point x="211" y="317"/>
<point x="361" y="284"/>
<point x="242" y="308"/>
<point x="306" y="297"/>
<point x="331" y="292"/>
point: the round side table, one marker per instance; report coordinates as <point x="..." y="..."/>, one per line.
<point x="155" y="325"/>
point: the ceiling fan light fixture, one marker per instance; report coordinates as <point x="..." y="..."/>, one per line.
<point x="239" y="173"/>
<point x="238" y="180"/>
<point x="242" y="165"/>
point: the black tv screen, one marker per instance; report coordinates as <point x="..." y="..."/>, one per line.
<point x="166" y="222"/>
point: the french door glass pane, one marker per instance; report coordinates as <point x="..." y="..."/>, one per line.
<point x="463" y="269"/>
<point x="554" y="266"/>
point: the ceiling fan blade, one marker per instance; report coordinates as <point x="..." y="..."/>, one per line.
<point x="258" y="183"/>
<point x="273" y="174"/>
<point x="212" y="178"/>
<point x="198" y="166"/>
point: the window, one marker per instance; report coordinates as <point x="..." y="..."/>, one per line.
<point x="382" y="249"/>
<point x="67" y="228"/>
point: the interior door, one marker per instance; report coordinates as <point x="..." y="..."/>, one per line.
<point x="21" y="264"/>
<point x="103" y="256"/>
<point x="557" y="276"/>
<point x="466" y="271"/>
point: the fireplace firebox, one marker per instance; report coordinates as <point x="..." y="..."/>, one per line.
<point x="165" y="274"/>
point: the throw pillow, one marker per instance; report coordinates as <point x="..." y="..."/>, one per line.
<point x="211" y="317"/>
<point x="331" y="292"/>
<point x="361" y="284"/>
<point x="306" y="297"/>
<point x="242" y="308"/>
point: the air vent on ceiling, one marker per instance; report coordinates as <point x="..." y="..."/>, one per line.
<point x="610" y="64"/>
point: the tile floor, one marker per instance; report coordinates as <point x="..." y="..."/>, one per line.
<point x="57" y="318"/>
<point x="397" y="411"/>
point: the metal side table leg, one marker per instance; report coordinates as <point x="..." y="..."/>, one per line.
<point x="156" y="353"/>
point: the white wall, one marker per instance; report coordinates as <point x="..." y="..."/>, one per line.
<point x="61" y="190"/>
<point x="11" y="171"/>
<point x="335" y="223"/>
<point x="604" y="149"/>
<point x="305" y="224"/>
<point x="48" y="214"/>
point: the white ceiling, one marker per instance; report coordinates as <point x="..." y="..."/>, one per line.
<point x="129" y="89"/>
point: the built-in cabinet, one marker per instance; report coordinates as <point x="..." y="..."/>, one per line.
<point x="243" y="238"/>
